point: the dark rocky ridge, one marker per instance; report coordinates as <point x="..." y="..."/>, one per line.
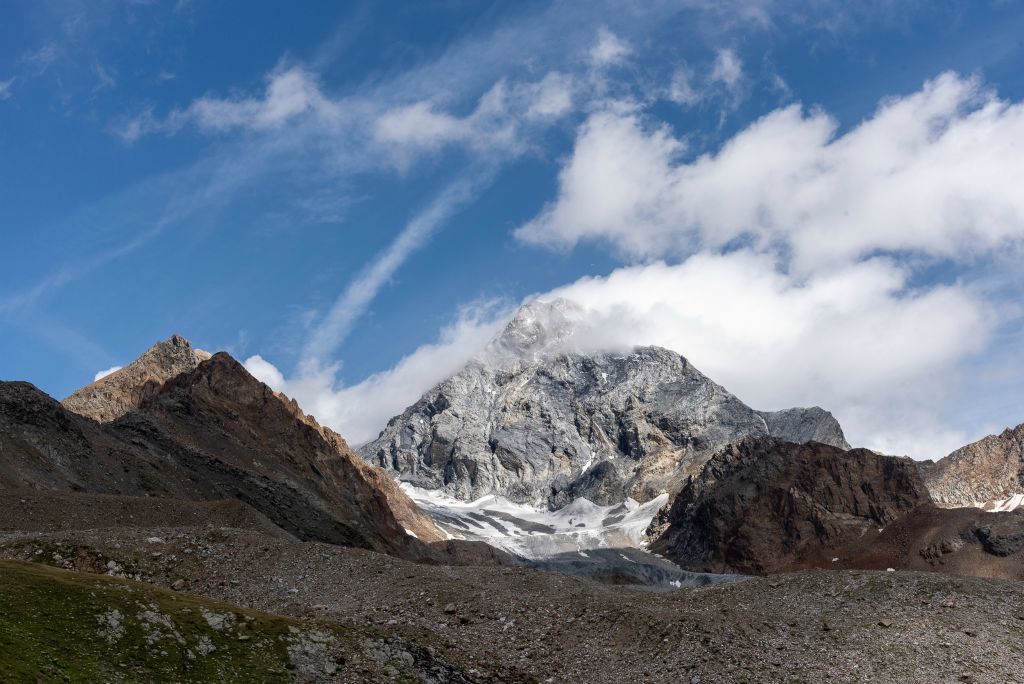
<point x="764" y="506"/>
<point x="216" y="433"/>
<point x="537" y="422"/>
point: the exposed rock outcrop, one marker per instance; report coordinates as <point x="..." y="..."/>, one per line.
<point x="116" y="394"/>
<point x="800" y="425"/>
<point x="536" y="421"/>
<point x="764" y="506"/>
<point x="987" y="474"/>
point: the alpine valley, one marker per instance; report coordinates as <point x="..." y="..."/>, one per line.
<point x="552" y="512"/>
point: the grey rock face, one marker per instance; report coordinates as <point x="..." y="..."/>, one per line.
<point x="800" y="425"/>
<point x="538" y="422"/>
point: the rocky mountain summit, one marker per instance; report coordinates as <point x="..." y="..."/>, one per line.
<point x="987" y="474"/>
<point x="116" y="394"/>
<point x="539" y="420"/>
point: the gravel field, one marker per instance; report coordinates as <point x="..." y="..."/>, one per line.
<point x="841" y="626"/>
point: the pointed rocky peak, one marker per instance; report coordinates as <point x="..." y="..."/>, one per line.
<point x="987" y="474"/>
<point x="221" y="375"/>
<point x="800" y="425"/>
<point x="116" y="394"/>
<point x="537" y="330"/>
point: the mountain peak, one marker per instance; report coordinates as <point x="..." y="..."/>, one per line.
<point x="113" y="395"/>
<point x="538" y="329"/>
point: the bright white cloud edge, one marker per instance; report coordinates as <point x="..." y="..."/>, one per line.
<point x="105" y="373"/>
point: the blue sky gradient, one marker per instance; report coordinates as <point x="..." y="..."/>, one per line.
<point x="234" y="172"/>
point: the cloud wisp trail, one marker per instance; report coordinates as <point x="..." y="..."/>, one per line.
<point x="355" y="299"/>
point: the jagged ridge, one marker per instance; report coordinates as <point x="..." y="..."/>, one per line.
<point x="209" y="433"/>
<point x="988" y="473"/>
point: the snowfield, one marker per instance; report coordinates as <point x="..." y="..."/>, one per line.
<point x="535" y="533"/>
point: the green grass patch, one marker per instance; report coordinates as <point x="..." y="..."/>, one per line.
<point x="60" y="626"/>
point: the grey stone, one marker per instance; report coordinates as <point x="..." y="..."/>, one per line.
<point x="538" y="421"/>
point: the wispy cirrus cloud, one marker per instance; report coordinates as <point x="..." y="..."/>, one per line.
<point x="350" y="304"/>
<point x="38" y="61"/>
<point x="289" y="93"/>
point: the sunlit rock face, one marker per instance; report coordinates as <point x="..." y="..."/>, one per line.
<point x="537" y="421"/>
<point x="986" y="474"/>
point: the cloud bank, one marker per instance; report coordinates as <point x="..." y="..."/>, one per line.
<point x="934" y="172"/>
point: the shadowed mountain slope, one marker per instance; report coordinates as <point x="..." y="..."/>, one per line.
<point x="763" y="506"/>
<point x="211" y="433"/>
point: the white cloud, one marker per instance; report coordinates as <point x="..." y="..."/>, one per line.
<point x="724" y="80"/>
<point x="420" y="124"/>
<point x="933" y="172"/>
<point x="494" y="127"/>
<point x="855" y="340"/>
<point x="290" y="92"/>
<point x="38" y="61"/>
<point x="358" y="412"/>
<point x="617" y="185"/>
<point x="608" y="49"/>
<point x="681" y="89"/>
<point x="785" y="294"/>
<point x="105" y="373"/>
<point x="551" y="97"/>
<point x="727" y="69"/>
<point x="5" y="88"/>
<point x="105" y="79"/>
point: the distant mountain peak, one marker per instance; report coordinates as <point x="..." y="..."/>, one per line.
<point x="116" y="394"/>
<point x="541" y="419"/>
<point x="538" y="329"/>
<point x="988" y="473"/>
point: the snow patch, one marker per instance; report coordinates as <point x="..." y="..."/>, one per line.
<point x="1003" y="505"/>
<point x="534" y="532"/>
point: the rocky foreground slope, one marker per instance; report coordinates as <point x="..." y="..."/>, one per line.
<point x="534" y="421"/>
<point x="512" y="624"/>
<point x="66" y="626"/>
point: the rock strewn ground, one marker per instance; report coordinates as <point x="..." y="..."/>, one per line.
<point x="65" y="626"/>
<point x="840" y="626"/>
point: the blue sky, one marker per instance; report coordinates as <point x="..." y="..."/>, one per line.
<point x="816" y="205"/>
